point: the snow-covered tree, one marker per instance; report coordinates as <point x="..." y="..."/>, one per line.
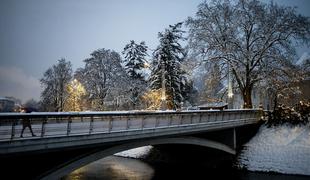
<point x="304" y="64"/>
<point x="190" y="92"/>
<point x="103" y="75"/>
<point x="249" y="35"/>
<point x="166" y="71"/>
<point x="54" y="82"/>
<point x="135" y="59"/>
<point x="152" y="99"/>
<point x="213" y="83"/>
<point x="282" y="86"/>
<point x="135" y="63"/>
<point x="76" y="96"/>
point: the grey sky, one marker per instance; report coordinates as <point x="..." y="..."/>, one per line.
<point x="34" y="34"/>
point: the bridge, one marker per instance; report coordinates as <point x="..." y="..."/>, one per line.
<point x="66" y="141"/>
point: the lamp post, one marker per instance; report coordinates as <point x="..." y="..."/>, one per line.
<point x="74" y="95"/>
<point x="230" y="93"/>
<point x="163" y="105"/>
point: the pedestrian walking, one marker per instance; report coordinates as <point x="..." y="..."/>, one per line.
<point x="26" y="122"/>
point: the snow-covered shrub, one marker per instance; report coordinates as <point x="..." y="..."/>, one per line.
<point x="292" y="115"/>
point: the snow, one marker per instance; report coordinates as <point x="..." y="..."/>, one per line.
<point x="303" y="58"/>
<point x="139" y="152"/>
<point x="283" y="149"/>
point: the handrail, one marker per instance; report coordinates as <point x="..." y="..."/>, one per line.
<point x="51" y="124"/>
<point x="115" y="113"/>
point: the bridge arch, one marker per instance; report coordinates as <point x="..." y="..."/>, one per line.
<point x="69" y="167"/>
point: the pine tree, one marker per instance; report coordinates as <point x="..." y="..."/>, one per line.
<point x="135" y="58"/>
<point x="166" y="72"/>
<point x="135" y="61"/>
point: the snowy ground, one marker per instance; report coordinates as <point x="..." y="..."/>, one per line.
<point x="283" y="149"/>
<point x="135" y="153"/>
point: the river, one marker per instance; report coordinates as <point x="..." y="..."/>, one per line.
<point x="121" y="168"/>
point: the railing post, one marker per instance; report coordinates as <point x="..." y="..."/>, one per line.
<point x="156" y="122"/>
<point x="181" y="119"/>
<point x="127" y="123"/>
<point x="191" y="120"/>
<point x="142" y="122"/>
<point x="91" y="124"/>
<point x="102" y="119"/>
<point x="13" y="128"/>
<point x="110" y="124"/>
<point x="43" y="127"/>
<point x="69" y="126"/>
<point x="234" y="136"/>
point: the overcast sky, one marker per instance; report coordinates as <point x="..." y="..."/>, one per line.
<point x="34" y="34"/>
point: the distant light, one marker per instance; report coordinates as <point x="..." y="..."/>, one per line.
<point x="230" y="94"/>
<point x="146" y="65"/>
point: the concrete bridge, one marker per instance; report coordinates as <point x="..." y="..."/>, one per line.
<point x="67" y="141"/>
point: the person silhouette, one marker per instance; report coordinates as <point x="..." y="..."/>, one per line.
<point x="26" y="122"/>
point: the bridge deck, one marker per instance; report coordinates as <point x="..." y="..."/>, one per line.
<point x="83" y="127"/>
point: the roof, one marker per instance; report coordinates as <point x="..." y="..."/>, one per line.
<point x="213" y="104"/>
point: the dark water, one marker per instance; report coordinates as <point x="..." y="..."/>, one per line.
<point x="121" y="168"/>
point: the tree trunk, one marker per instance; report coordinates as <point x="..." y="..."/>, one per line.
<point x="275" y="102"/>
<point x="247" y="99"/>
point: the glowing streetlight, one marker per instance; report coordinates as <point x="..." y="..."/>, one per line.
<point x="163" y="88"/>
<point x="230" y="93"/>
<point x="146" y="65"/>
<point x="75" y="91"/>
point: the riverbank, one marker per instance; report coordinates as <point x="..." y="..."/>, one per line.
<point x="282" y="149"/>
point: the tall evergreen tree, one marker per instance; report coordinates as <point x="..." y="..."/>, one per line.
<point x="135" y="58"/>
<point x="166" y="71"/>
<point x="135" y="62"/>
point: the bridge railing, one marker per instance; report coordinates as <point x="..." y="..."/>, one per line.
<point x="80" y="123"/>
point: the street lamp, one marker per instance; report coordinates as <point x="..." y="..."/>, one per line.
<point x="74" y="85"/>
<point x="163" y="88"/>
<point x="230" y="93"/>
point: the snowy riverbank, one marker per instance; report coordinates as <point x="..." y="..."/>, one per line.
<point x="283" y="149"/>
<point x="135" y="153"/>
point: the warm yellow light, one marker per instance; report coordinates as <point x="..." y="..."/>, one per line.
<point x="146" y="65"/>
<point x="153" y="99"/>
<point x="76" y="92"/>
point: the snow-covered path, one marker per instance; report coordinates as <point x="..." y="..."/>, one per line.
<point x="284" y="149"/>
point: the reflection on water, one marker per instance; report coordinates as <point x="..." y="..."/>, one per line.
<point x="113" y="167"/>
<point x="120" y="168"/>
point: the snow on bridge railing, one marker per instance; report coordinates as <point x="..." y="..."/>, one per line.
<point x="17" y="126"/>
